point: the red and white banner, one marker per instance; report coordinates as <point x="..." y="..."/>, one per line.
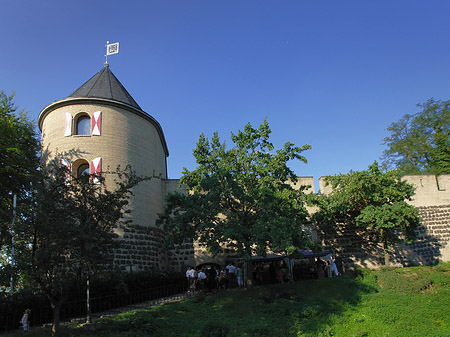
<point x="96" y="169"/>
<point x="96" y="128"/>
<point x="66" y="164"/>
<point x="68" y="126"/>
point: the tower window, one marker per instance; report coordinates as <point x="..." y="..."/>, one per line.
<point x="83" y="125"/>
<point x="82" y="170"/>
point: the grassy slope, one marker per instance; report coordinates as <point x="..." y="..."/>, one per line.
<point x="402" y="302"/>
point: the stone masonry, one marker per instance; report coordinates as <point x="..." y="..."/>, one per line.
<point x="433" y="235"/>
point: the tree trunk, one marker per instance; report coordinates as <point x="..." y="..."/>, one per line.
<point x="88" y="299"/>
<point x="386" y="253"/>
<point x="56" y="318"/>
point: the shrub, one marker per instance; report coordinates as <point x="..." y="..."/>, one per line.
<point x="137" y="281"/>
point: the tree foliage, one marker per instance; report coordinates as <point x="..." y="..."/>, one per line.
<point x="420" y="143"/>
<point x="19" y="161"/>
<point x="241" y="197"/>
<point x="74" y="226"/>
<point x="370" y="199"/>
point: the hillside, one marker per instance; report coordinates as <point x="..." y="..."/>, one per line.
<point x="389" y="302"/>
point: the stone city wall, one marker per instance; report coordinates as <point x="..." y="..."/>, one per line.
<point x="356" y="246"/>
<point x="432" y="198"/>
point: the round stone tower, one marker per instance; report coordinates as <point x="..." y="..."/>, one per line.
<point x="100" y="127"/>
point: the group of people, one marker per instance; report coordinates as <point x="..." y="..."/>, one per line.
<point x="331" y="267"/>
<point x="211" y="278"/>
<point x="273" y="272"/>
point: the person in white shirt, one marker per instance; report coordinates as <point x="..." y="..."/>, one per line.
<point x="232" y="274"/>
<point x="202" y="275"/>
<point x="190" y="275"/>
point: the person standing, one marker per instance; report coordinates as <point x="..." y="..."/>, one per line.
<point x="239" y="274"/>
<point x="339" y="264"/>
<point x="190" y="275"/>
<point x="201" y="275"/>
<point x="232" y="274"/>
<point x="25" y="320"/>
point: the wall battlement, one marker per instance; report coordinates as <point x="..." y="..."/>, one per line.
<point x="430" y="190"/>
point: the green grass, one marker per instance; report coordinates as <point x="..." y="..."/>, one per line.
<point x="388" y="302"/>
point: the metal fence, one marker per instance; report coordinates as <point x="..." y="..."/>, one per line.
<point x="76" y="311"/>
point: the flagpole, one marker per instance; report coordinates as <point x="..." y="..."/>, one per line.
<point x="106" y="55"/>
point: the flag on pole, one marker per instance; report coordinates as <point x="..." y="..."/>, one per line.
<point x="112" y="48"/>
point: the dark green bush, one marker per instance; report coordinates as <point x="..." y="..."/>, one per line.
<point x="151" y="279"/>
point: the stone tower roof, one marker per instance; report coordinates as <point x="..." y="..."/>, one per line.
<point x="104" y="88"/>
<point x="105" y="85"/>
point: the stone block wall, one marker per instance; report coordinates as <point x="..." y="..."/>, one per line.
<point x="141" y="249"/>
<point x="433" y="236"/>
<point x="183" y="256"/>
<point x="357" y="247"/>
<point x="361" y="248"/>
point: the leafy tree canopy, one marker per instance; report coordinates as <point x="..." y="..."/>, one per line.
<point x="73" y="227"/>
<point x="241" y="197"/>
<point x="19" y="162"/>
<point x="420" y="143"/>
<point x="371" y="199"/>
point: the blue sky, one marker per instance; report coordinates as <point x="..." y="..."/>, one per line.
<point x="332" y="74"/>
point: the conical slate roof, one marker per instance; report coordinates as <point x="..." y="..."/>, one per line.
<point x="105" y="85"/>
<point x="104" y="88"/>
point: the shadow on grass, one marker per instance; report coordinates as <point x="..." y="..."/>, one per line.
<point x="313" y="306"/>
<point x="305" y="308"/>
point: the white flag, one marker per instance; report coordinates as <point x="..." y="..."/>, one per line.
<point x="112" y="48"/>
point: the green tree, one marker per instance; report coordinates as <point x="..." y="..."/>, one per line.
<point x="239" y="198"/>
<point x="420" y="143"/>
<point x="19" y="161"/>
<point x="370" y="199"/>
<point x="73" y="229"/>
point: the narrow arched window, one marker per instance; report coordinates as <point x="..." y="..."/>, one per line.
<point x="83" y="125"/>
<point x="83" y="170"/>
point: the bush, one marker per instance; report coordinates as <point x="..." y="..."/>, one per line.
<point x="137" y="281"/>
